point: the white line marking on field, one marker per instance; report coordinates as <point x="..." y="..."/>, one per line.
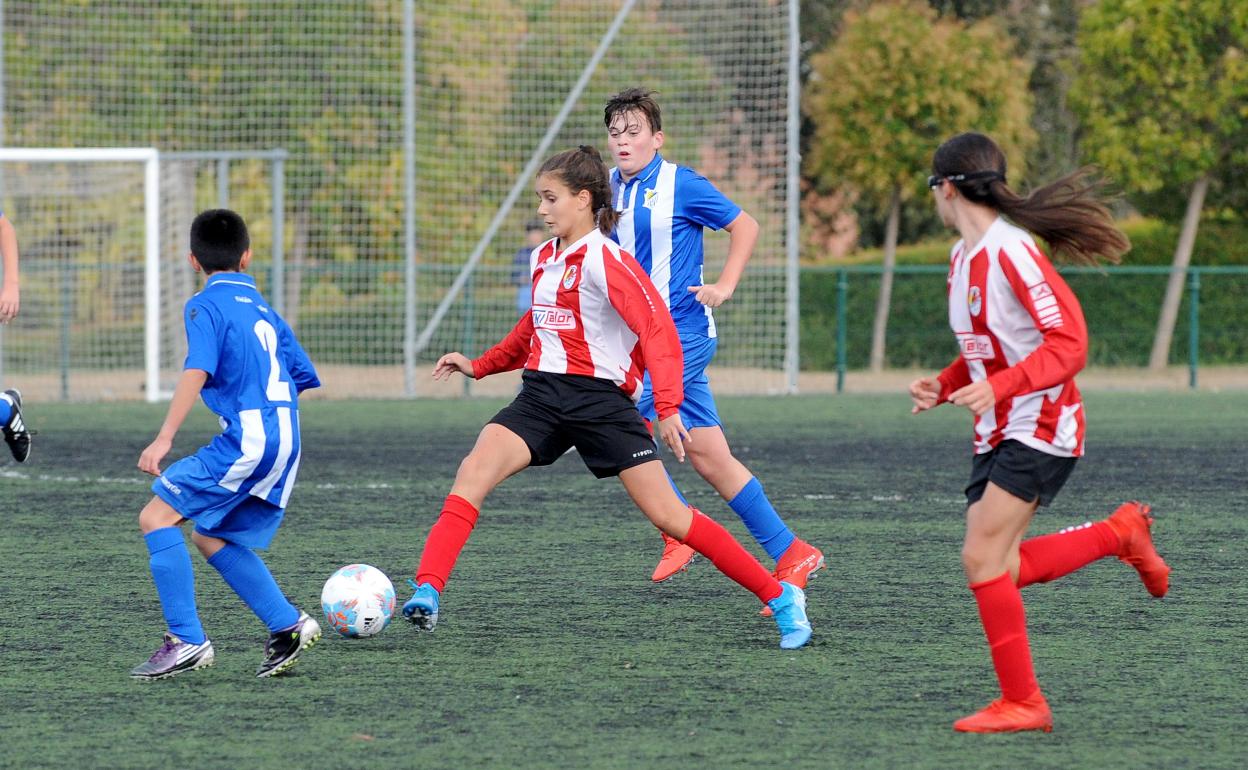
<point x="55" y="479"/>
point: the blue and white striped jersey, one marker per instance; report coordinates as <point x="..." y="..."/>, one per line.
<point x="256" y="369"/>
<point x="662" y="212"/>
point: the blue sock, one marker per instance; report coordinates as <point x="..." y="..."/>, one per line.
<point x="761" y="519"/>
<point x="6" y="409"/>
<point x="175" y="583"/>
<point x="675" y="488"/>
<point x="243" y="570"/>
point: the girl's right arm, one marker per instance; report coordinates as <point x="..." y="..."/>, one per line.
<point x="510" y="353"/>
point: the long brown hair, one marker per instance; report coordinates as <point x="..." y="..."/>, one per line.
<point x="583" y="169"/>
<point x="1070" y="213"/>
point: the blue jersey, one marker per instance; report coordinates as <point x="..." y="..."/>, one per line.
<point x="662" y="212"/>
<point x="256" y="369"/>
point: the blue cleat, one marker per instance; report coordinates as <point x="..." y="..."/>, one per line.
<point x="789" y="609"/>
<point x="422" y="608"/>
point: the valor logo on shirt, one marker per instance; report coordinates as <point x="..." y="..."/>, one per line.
<point x="976" y="347"/>
<point x="569" y="276"/>
<point x="556" y="318"/>
<point x="649" y="198"/>
<point x="974" y="300"/>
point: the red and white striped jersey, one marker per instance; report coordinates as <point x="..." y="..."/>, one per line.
<point x="1020" y="327"/>
<point x="595" y="313"/>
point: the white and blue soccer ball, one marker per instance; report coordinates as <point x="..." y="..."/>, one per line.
<point x="358" y="600"/>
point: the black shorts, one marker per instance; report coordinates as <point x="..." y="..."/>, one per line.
<point x="1026" y="473"/>
<point x="555" y="412"/>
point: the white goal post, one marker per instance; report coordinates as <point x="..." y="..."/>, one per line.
<point x="150" y="158"/>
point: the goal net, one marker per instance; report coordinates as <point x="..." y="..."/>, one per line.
<point x="96" y="310"/>
<point x="324" y="82"/>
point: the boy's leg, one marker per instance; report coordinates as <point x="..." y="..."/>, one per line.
<point x="186" y="647"/>
<point x="245" y="572"/>
<point x="714" y="461"/>
<point x="170" y="563"/>
<point x="290" y="631"/>
<point x="648" y="487"/>
<point x="796" y="560"/>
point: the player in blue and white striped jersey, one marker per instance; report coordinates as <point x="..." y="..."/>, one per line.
<point x="663" y="210"/>
<point x="246" y="363"/>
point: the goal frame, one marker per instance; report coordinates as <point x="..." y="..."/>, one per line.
<point x="150" y="158"/>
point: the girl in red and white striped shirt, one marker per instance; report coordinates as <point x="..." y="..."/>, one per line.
<point x="596" y="325"/>
<point x="1022" y="338"/>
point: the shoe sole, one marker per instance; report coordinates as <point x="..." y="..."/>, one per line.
<point x="685" y="568"/>
<point x="170" y="674"/>
<point x="1041" y="728"/>
<point x="293" y="659"/>
<point x="421" y="621"/>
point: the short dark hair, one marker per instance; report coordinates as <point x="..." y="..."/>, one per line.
<point x="583" y="169"/>
<point x="634" y="100"/>
<point x="219" y="239"/>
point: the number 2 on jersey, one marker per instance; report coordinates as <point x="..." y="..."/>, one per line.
<point x="276" y="390"/>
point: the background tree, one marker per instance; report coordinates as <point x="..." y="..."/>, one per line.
<point x="1170" y="122"/>
<point x="894" y="85"/>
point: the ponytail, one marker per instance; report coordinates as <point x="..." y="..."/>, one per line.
<point x="1070" y="214"/>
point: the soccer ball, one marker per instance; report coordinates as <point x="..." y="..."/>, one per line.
<point x="358" y="600"/>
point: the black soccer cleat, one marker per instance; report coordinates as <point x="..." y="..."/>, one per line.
<point x="16" y="434"/>
<point x="283" y="648"/>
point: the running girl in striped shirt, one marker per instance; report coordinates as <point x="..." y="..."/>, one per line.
<point x="595" y="327"/>
<point x="1023" y="339"/>
<point x="246" y="363"/>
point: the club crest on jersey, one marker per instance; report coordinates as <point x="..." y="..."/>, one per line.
<point x="557" y="318"/>
<point x="650" y="197"/>
<point x="569" y="276"/>
<point x="974" y="300"/>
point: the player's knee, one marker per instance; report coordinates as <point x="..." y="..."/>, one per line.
<point x="157" y="515"/>
<point x="978" y="561"/>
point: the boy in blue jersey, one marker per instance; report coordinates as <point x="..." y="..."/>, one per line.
<point x="246" y="363"/>
<point x="663" y="208"/>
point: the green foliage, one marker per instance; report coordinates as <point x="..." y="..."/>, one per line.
<point x="1163" y="94"/>
<point x="895" y="84"/>
<point x="1219" y="241"/>
<point x="1121" y="311"/>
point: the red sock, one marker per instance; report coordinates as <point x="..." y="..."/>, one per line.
<point x="1005" y="624"/>
<point x="714" y="542"/>
<point x="445" y="541"/>
<point x="1048" y="557"/>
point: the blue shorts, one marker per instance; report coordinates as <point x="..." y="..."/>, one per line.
<point x="698" y="409"/>
<point x="236" y="517"/>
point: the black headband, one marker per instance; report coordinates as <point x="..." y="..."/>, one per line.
<point x="975" y="176"/>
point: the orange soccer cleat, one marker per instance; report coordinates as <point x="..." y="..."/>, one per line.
<point x="676" y="559"/>
<point x="1132" y="524"/>
<point x="798" y="562"/>
<point x="1009" y="716"/>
